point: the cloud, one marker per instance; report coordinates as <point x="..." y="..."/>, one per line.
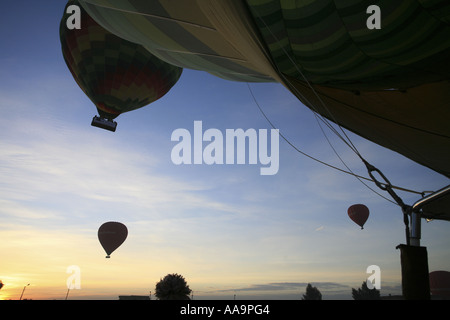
<point x="44" y="162"/>
<point x="18" y="210"/>
<point x="282" y="286"/>
<point x="280" y="290"/>
<point x="37" y="180"/>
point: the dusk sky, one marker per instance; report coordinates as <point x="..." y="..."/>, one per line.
<point x="225" y="227"/>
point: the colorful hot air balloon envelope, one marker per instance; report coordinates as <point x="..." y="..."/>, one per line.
<point x="389" y="85"/>
<point x="359" y="213"/>
<point x="111" y="236"/>
<point x="117" y="75"/>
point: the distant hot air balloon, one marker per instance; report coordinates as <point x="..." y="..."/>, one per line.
<point x="111" y="235"/>
<point x="440" y="283"/>
<point x="359" y="213"/>
<point x="117" y="75"/>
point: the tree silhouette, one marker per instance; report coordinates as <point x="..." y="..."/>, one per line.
<point x="312" y="293"/>
<point x="172" y="287"/>
<point x="364" y="293"/>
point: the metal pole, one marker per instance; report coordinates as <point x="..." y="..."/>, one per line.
<point x="415" y="229"/>
<point x="23" y="291"/>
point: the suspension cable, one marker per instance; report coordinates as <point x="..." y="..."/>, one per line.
<point x="320" y="161"/>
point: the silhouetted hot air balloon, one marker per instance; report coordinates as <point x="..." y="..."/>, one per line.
<point x="389" y="85"/>
<point x="359" y="213"/>
<point x="111" y="235"/>
<point x="117" y="75"/>
<point x="440" y="283"/>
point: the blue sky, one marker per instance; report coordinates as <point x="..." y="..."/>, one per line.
<point x="227" y="229"/>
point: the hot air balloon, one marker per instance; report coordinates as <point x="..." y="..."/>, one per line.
<point x="359" y="213"/>
<point x="440" y="283"/>
<point x="389" y="85"/>
<point x="117" y="75"/>
<point x="111" y="236"/>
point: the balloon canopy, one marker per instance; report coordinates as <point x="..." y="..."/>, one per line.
<point x="111" y="236"/>
<point x="440" y="283"/>
<point x="389" y="85"/>
<point x="359" y="213"/>
<point x="117" y="75"/>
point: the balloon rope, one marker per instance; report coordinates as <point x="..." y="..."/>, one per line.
<point x="327" y="164"/>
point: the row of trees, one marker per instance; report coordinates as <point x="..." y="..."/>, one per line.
<point x="174" y="287"/>
<point x="363" y="293"/>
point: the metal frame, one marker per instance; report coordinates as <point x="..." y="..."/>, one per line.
<point x="431" y="198"/>
<point x="417" y="212"/>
